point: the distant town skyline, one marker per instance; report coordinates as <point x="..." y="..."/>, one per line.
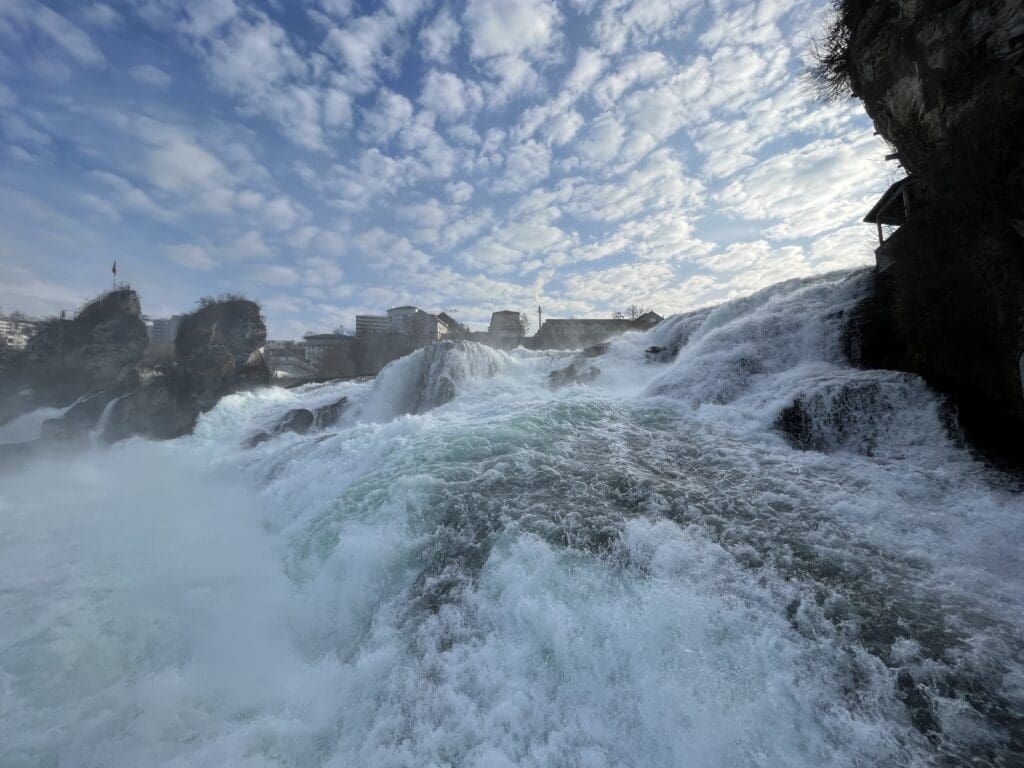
<point x="338" y="157"/>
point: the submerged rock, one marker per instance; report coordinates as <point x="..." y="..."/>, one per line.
<point x="579" y="371"/>
<point x="301" y="420"/>
<point x="864" y="416"/>
<point x="328" y="415"/>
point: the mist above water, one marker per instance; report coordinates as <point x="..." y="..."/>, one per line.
<point x="473" y="569"/>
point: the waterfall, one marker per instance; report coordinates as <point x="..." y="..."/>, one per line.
<point x="738" y="550"/>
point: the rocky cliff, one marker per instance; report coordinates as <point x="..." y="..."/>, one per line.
<point x="66" y="360"/>
<point x="943" y="82"/>
<point x="216" y="352"/>
<point x="93" y="365"/>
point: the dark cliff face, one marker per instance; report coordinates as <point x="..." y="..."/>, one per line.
<point x="216" y="347"/>
<point x="216" y="352"/>
<point x="943" y="82"/>
<point x="68" y="359"/>
<point x="96" y="359"/>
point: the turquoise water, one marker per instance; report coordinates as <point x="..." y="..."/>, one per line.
<point x="640" y="571"/>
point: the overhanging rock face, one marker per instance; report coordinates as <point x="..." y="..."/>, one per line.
<point x="944" y="83"/>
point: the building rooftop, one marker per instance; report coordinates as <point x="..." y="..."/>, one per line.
<point x="893" y="206"/>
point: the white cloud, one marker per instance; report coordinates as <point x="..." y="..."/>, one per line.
<point x="364" y="46"/>
<point x="390" y="113"/>
<point x="100" y="206"/>
<point x="255" y="62"/>
<point x="205" y="17"/>
<point x="133" y="198"/>
<point x="180" y="165"/>
<point x="640" y="69"/>
<point x="589" y="66"/>
<point x="100" y="15"/>
<point x="449" y="97"/>
<point x="192" y="257"/>
<point x="427" y="219"/>
<point x="659" y="183"/>
<point x="641" y="22"/>
<point x="274" y="274"/>
<point x="436" y="157"/>
<point x="511" y="76"/>
<point x="337" y="108"/>
<point x="151" y="76"/>
<point x="249" y="246"/>
<point x="372" y="174"/>
<point x="19" y="16"/>
<point x="339" y="9"/>
<point x="439" y="37"/>
<point x="603" y="142"/>
<point x="502" y="28"/>
<point x="525" y="165"/>
<point x="808" y="191"/>
<point x="386" y="252"/>
<point x="460" y="191"/>
<point x="281" y="213"/>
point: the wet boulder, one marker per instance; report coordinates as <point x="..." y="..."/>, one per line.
<point x="328" y="415"/>
<point x="580" y="370"/>
<point x="301" y="420"/>
<point x="297" y="420"/>
<point x="868" y="414"/>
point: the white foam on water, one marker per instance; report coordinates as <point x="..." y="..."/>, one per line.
<point x="472" y="569"/>
<point x="29" y="426"/>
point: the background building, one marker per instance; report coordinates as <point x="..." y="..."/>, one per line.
<point x="332" y="355"/>
<point x="506" y="329"/>
<point x="16" y="329"/>
<point x="163" y="330"/>
<point x="368" y="325"/>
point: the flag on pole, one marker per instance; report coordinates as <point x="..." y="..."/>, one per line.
<point x="113" y="269"/>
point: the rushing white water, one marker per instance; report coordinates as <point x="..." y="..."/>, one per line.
<point x="471" y="569"/>
<point x="29" y="426"/>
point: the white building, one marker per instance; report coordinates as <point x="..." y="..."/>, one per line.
<point x="397" y="316"/>
<point x="367" y="325"/>
<point x="15" y="331"/>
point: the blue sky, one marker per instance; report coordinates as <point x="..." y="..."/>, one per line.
<point x="336" y="157"/>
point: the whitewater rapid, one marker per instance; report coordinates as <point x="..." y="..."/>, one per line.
<point x="473" y="569"/>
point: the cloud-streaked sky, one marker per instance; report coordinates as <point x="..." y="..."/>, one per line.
<point x="335" y="157"/>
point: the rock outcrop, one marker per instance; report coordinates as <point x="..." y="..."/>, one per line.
<point x="98" y="350"/>
<point x="216" y="353"/>
<point x="580" y="370"/>
<point x="94" y="363"/>
<point x="943" y="82"/>
<point x="301" y="420"/>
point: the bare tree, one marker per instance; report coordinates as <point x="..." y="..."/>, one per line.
<point x="831" y="63"/>
<point x="633" y="311"/>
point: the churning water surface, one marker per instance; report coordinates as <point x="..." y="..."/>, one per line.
<point x="473" y="570"/>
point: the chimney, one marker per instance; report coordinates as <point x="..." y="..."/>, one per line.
<point x="539" y="319"/>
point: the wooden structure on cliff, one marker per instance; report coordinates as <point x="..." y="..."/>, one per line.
<point x="892" y="209"/>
